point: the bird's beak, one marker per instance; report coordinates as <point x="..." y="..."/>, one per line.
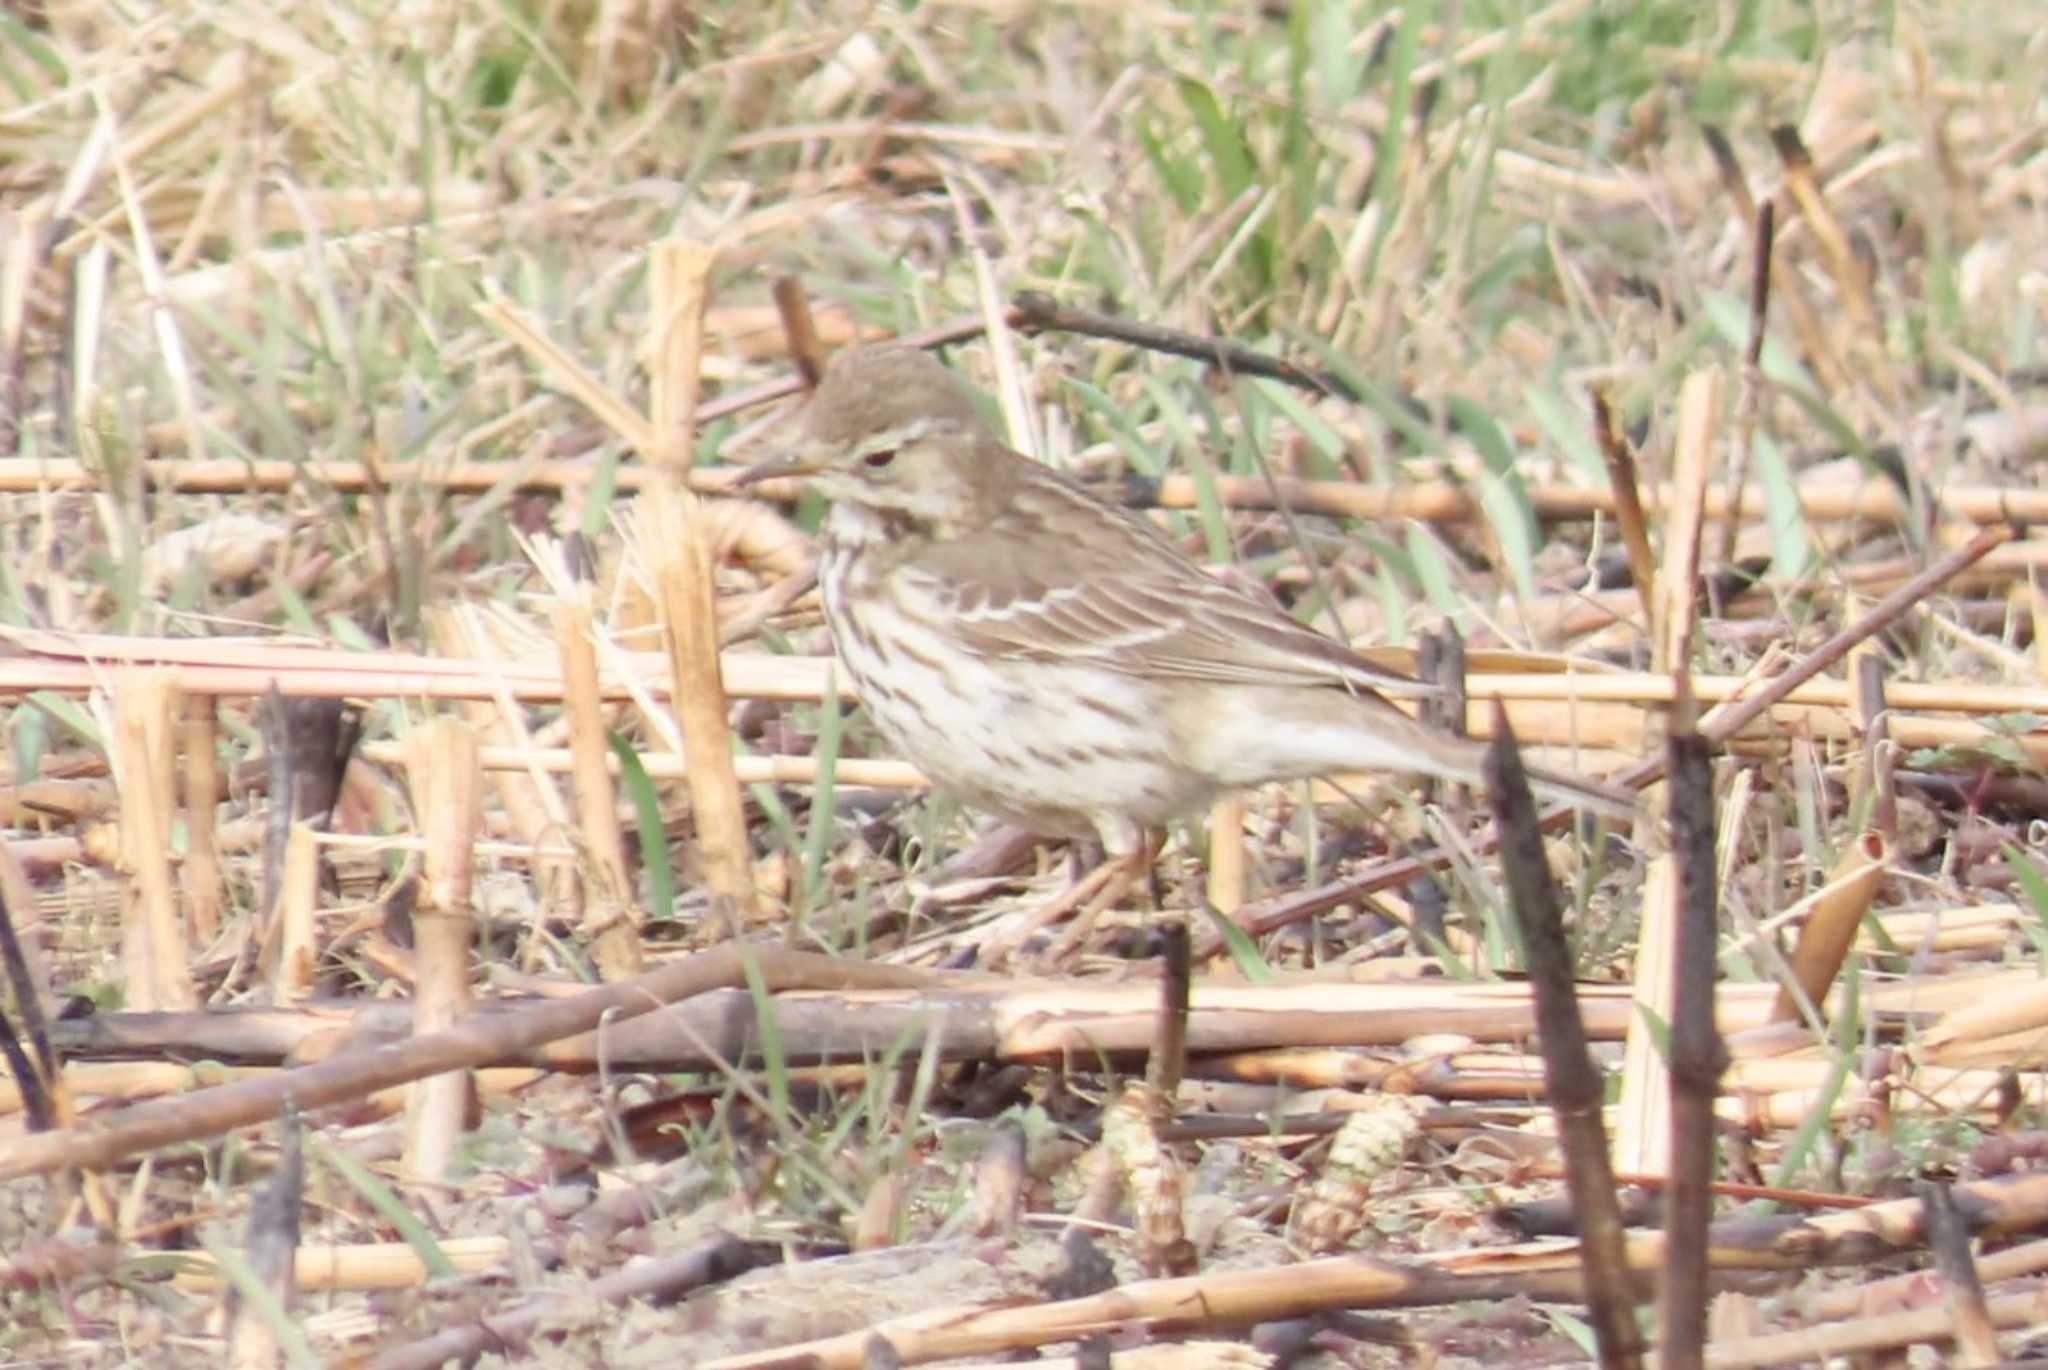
<point x="797" y="463"/>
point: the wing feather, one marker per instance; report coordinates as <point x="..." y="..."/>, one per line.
<point x="1127" y="602"/>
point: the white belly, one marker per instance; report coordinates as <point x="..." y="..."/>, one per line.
<point x="1031" y="742"/>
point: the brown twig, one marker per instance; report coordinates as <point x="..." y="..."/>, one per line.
<point x="1574" y="1084"/>
<point x="666" y="1277"/>
<point x="1749" y="400"/>
<point x="800" y="331"/>
<point x="1628" y="507"/>
<point x="1806" y="321"/>
<point x="1170" y="1048"/>
<point x="1697" y="1056"/>
<point x="1036" y="312"/>
<point x="1948" y="1236"/>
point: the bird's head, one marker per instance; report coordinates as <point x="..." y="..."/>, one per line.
<point x="892" y="430"/>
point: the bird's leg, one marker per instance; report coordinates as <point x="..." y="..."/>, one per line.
<point x="1128" y="855"/>
<point x="1119" y="874"/>
<point x="1029" y="922"/>
<point x="1155" y="895"/>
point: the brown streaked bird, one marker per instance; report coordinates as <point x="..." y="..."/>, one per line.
<point x="1054" y="659"/>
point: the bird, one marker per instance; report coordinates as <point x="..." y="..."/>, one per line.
<point x="1054" y="659"/>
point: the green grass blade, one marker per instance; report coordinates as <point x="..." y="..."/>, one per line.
<point x="365" y="1182"/>
<point x="818" y="839"/>
<point x="661" y="880"/>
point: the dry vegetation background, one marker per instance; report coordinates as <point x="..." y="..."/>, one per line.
<point x="322" y="324"/>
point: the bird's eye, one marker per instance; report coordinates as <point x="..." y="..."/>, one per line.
<point x="877" y="460"/>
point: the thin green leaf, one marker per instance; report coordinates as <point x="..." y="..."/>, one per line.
<point x="1503" y="495"/>
<point x="262" y="1300"/>
<point x="1569" y="427"/>
<point x="1439" y="582"/>
<point x="1387" y="158"/>
<point x="68" y="713"/>
<point x="1182" y="181"/>
<point x="1243" y="950"/>
<point x="28" y="736"/>
<point x="1230" y="159"/>
<point x="2034" y="886"/>
<point x="1658" y="1030"/>
<point x="661" y="880"/>
<point x="1791" y="548"/>
<point x="381" y="1197"/>
<point x="1820" y="1116"/>
<point x="599" y="494"/>
<point x="774" y="1060"/>
<point x="1323" y="438"/>
<point x="825" y="753"/>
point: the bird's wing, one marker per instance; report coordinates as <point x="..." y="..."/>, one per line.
<point x="1122" y="598"/>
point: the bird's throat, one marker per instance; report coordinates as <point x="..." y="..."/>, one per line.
<point x="853" y="525"/>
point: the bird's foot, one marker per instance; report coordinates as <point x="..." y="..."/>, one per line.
<point x="1094" y="892"/>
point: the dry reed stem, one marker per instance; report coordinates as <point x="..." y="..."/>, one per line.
<point x="568" y="373"/>
<point x="445" y="782"/>
<point x="2010" y="1011"/>
<point x="1642" y="1129"/>
<point x="473" y="1041"/>
<point x="611" y="913"/>
<point x="359" y="1266"/>
<point x="1833" y="914"/>
<point x="785" y="769"/>
<point x="239" y="666"/>
<point x="799" y="330"/>
<point x="145" y="705"/>
<point x="291" y="944"/>
<point x="1227" y="863"/>
<point x="199" y="877"/>
<point x="103" y="1082"/>
<point x="1544" y="1270"/>
<point x="118" y="1082"/>
<point x="529" y="799"/>
<point x="1429" y="501"/>
<point x="1852" y="279"/>
<point x="1290" y="1032"/>
<point x="1874" y="501"/>
<point x="1678" y="578"/>
<point x="682" y="568"/>
<point x="1881" y="1332"/>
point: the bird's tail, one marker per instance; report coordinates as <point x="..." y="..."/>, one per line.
<point x="1462" y="760"/>
<point x="1595" y="796"/>
<point x="1256" y="734"/>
